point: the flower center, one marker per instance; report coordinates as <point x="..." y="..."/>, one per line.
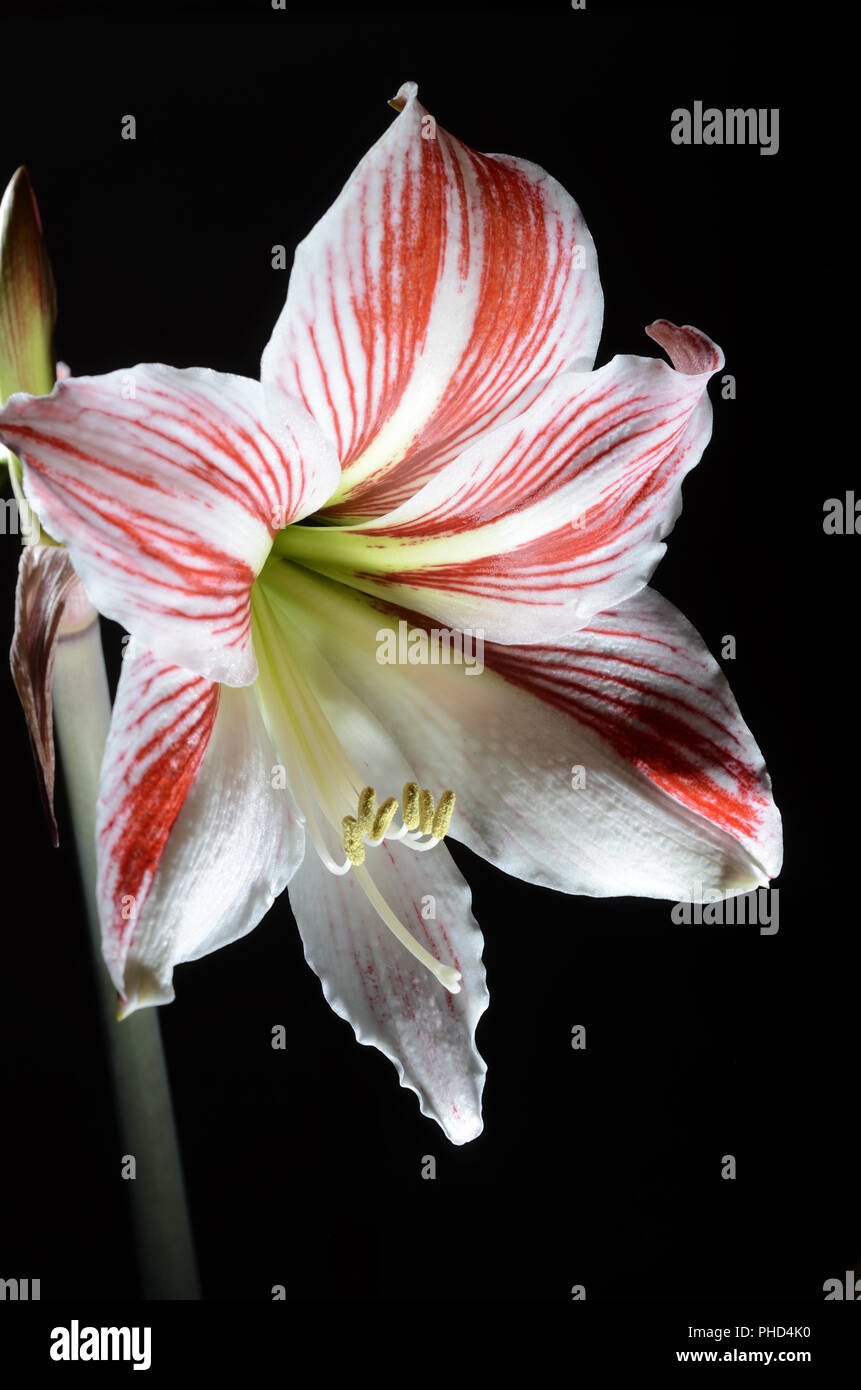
<point x="321" y="775"/>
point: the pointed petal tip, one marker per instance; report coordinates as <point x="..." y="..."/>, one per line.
<point x="462" y="1127"/>
<point x="19" y="184"/>
<point x="138" y="986"/>
<point x="463" y="1120"/>
<point x="406" y="93"/>
<point x="146" y="993"/>
<point x="690" y="351"/>
<point x="460" y="1119"/>
<point x="19" y="215"/>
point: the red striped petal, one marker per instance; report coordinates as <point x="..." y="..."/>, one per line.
<point x="168" y="486"/>
<point x="551" y="518"/>
<point x="434" y="300"/>
<point x="194" y="842"/>
<point x="161" y="725"/>
<point x="642" y="678"/>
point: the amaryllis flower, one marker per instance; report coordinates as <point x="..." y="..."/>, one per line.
<point x="427" y="444"/>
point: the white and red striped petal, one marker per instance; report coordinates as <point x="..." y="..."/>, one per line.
<point x="435" y="299"/>
<point x="194" y="842"/>
<point x="167" y="487"/>
<point x="391" y="1001"/>
<point x="674" y="793"/>
<point x="549" y="519"/>
<point x="642" y="678"/>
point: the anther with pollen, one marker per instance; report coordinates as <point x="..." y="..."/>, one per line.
<point x="420" y="815"/>
<point x="420" y="818"/>
<point x="383" y="818"/>
<point x="442" y="816"/>
<point x="410" y="803"/>
<point x="354" y="846"/>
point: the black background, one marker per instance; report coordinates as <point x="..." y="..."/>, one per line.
<point x="600" y="1167"/>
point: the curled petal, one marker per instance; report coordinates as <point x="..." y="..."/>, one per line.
<point x="167" y="486"/>
<point x="194" y="841"/>
<point x="435" y="299"/>
<point x="47" y="593"/>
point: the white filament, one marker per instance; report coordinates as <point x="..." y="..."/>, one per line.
<point x="321" y="775"/>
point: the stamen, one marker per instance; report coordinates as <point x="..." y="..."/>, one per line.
<point x="429" y="826"/>
<point x="444" y="813"/>
<point x="318" y="762"/>
<point x="354" y="847"/>
<point x="314" y="830"/>
<point x="419" y="845"/>
<point x="322" y="777"/>
<point x="367" y="810"/>
<point x="383" y="818"/>
<point x="410" y="803"/>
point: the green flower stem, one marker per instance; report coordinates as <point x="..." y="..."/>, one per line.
<point x="167" y="1265"/>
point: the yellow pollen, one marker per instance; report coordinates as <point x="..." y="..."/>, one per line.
<point x="353" y="845"/>
<point x="425" y="812"/>
<point x="419" y="818"/>
<point x="410" y="803"/>
<point x="383" y="818"/>
<point x="442" y="818"/>
<point x="367" y="810"/>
